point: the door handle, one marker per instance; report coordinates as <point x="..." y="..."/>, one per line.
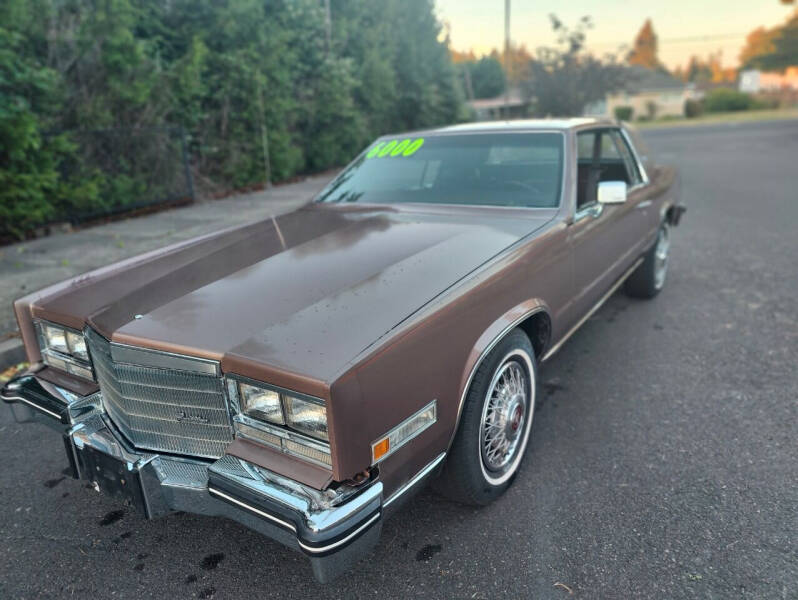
<point x="644" y="204"/>
<point x="594" y="210"/>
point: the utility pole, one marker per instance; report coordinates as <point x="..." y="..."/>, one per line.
<point x="507" y="57"/>
<point x="469" y="88"/>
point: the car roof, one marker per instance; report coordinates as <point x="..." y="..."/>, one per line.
<point x="515" y="126"/>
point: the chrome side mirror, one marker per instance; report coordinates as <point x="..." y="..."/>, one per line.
<point x="612" y="192"/>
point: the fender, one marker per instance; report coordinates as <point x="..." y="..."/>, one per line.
<point x="488" y="340"/>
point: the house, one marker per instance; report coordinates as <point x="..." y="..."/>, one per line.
<point x="754" y="80"/>
<point x="513" y="105"/>
<point x="649" y="93"/>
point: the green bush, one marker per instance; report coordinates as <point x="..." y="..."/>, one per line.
<point x="624" y="113"/>
<point x="725" y="100"/>
<point x="765" y="102"/>
<point x="693" y="108"/>
<point x="235" y="76"/>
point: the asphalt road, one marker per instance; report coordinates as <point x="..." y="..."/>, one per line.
<point x="663" y="463"/>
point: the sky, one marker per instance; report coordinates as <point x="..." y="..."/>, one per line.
<point x="479" y="24"/>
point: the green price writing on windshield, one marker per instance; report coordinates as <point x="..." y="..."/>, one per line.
<point x="406" y="147"/>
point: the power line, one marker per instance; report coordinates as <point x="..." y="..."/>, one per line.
<point x="681" y="40"/>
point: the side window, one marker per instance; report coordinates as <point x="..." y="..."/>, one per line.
<point x="584" y="143"/>
<point x="588" y="168"/>
<point x="603" y="155"/>
<point x="628" y="158"/>
<point x="609" y="151"/>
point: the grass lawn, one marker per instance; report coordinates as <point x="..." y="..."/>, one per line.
<point x="727" y="117"/>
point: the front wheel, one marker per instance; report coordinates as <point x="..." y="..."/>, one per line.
<point x="649" y="278"/>
<point x="495" y="425"/>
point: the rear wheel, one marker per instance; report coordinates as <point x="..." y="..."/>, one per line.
<point x="495" y="424"/>
<point x="649" y="278"/>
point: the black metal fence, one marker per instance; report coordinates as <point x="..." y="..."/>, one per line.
<point x="119" y="170"/>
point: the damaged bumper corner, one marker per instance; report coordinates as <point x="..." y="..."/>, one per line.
<point x="335" y="527"/>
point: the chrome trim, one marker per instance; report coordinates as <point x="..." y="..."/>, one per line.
<point x="283" y="434"/>
<point x="171" y="410"/>
<point x="498" y="471"/>
<point x="415" y="479"/>
<point x="482" y="356"/>
<point x="636" y="156"/>
<point x="36" y="406"/>
<point x="69" y="406"/>
<point x="67" y="357"/>
<point x="355" y="533"/>
<point x="250" y="508"/>
<point x="590" y="313"/>
<point x="612" y="192"/>
<point x="335" y="527"/>
<point x="320" y="511"/>
<point x="146" y="357"/>
<point x="232" y="383"/>
<point x="520" y="131"/>
<point x="233" y="380"/>
<point x="415" y="434"/>
<point x="594" y="210"/>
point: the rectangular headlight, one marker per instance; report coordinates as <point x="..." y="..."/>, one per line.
<point x="306" y="417"/>
<point x="76" y="344"/>
<point x="55" y="338"/>
<point x="64" y="349"/>
<point x="260" y="403"/>
<point x="277" y="418"/>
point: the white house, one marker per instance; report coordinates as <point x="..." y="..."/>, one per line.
<point x="754" y="80"/>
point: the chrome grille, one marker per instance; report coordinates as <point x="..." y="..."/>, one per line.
<point x="166" y="410"/>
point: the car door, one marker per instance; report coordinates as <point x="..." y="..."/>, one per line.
<point x="605" y="239"/>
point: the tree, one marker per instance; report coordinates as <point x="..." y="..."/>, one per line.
<point x="486" y="76"/>
<point x="644" y="49"/>
<point x="705" y="71"/>
<point x="698" y="71"/>
<point x="758" y="43"/>
<point x="31" y="186"/>
<point x="235" y="76"/>
<point x="565" y="78"/>
<point x="781" y="49"/>
<point x="516" y="65"/>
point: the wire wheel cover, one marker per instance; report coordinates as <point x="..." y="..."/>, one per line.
<point x="504" y="416"/>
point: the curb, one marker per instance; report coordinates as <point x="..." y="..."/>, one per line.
<point x="12" y="352"/>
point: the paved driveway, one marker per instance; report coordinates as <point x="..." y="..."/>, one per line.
<point x="32" y="265"/>
<point x="663" y="463"/>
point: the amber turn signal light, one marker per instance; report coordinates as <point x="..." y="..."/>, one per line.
<point x="380" y="449"/>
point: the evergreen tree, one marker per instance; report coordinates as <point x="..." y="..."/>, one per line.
<point x="253" y="83"/>
<point x="644" y="50"/>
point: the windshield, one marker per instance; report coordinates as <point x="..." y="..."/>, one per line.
<point x="505" y="169"/>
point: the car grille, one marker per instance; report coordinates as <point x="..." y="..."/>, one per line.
<point x="178" y="411"/>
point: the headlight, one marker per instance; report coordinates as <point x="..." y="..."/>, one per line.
<point x="280" y="419"/>
<point x="261" y="404"/>
<point x="307" y="417"/>
<point x="65" y="349"/>
<point x="77" y="345"/>
<point x="55" y="338"/>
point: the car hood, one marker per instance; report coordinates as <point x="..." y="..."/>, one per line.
<point x="302" y="294"/>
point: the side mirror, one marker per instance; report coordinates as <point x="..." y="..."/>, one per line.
<point x="612" y="192"/>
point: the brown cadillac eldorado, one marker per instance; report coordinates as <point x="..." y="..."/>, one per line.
<point x="305" y="374"/>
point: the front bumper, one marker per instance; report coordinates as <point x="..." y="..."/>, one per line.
<point x="334" y="528"/>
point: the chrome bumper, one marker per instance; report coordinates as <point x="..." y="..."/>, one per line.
<point x="334" y="528"/>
